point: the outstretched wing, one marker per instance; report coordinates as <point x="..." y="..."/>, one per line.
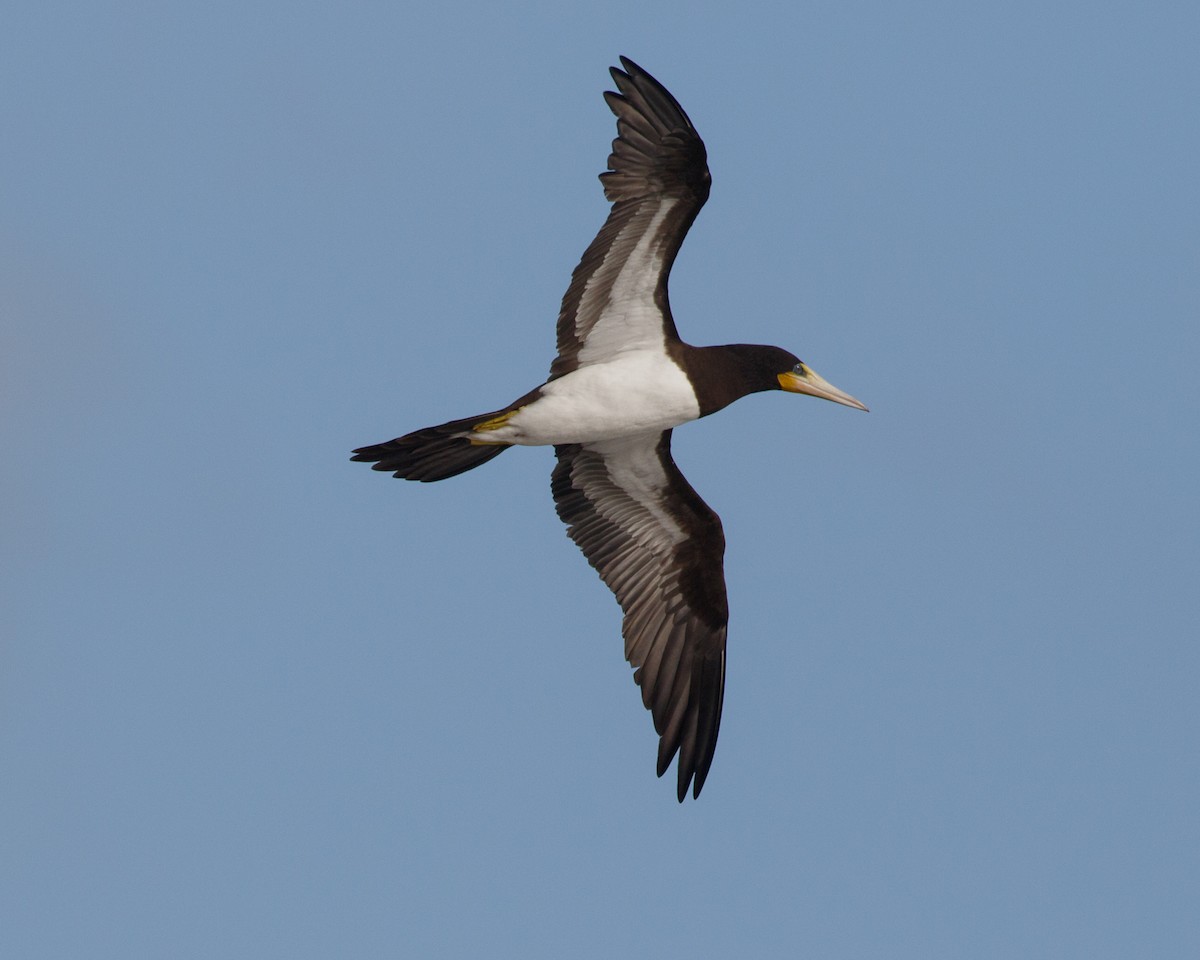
<point x="660" y="548"/>
<point x="657" y="181"/>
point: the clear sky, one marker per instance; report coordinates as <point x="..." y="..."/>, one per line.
<point x="257" y="701"/>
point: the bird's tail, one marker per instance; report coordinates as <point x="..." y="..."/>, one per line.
<point x="434" y="453"/>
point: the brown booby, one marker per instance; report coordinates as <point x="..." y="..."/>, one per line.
<point x="622" y="380"/>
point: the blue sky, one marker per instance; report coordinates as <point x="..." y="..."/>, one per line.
<point x="258" y="701"/>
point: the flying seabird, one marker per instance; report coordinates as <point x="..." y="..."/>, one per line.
<point x="622" y="380"/>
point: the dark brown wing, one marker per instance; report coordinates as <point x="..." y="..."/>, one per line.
<point x="660" y="549"/>
<point x="657" y="181"/>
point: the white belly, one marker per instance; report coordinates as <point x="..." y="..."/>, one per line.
<point x="634" y="394"/>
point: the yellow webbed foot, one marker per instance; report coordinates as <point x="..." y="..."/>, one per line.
<point x="495" y="423"/>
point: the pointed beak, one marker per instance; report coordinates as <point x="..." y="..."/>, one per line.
<point x="804" y="380"/>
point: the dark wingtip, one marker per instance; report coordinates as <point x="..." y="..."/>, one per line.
<point x="685" y="780"/>
<point x="681" y="786"/>
<point x="631" y="71"/>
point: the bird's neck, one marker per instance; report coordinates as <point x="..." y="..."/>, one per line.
<point x="721" y="374"/>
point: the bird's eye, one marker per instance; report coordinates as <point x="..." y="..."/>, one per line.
<point x="799" y="369"/>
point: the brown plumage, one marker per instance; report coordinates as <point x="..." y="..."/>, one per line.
<point x="621" y="381"/>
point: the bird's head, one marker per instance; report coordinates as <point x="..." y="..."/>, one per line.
<point x="736" y="370"/>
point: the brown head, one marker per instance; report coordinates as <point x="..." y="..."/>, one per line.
<point x="723" y="374"/>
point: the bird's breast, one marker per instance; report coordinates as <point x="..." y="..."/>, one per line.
<point x="638" y="393"/>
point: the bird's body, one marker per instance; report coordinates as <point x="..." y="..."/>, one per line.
<point x="622" y="380"/>
<point x="639" y="391"/>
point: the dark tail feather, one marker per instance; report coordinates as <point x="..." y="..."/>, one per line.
<point x="434" y="453"/>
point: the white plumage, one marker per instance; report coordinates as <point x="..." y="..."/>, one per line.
<point x="639" y="392"/>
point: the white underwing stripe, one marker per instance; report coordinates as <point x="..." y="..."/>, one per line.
<point x="633" y="465"/>
<point x="620" y="294"/>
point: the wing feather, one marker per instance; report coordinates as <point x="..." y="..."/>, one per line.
<point x="657" y="181"/>
<point x="660" y="549"/>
